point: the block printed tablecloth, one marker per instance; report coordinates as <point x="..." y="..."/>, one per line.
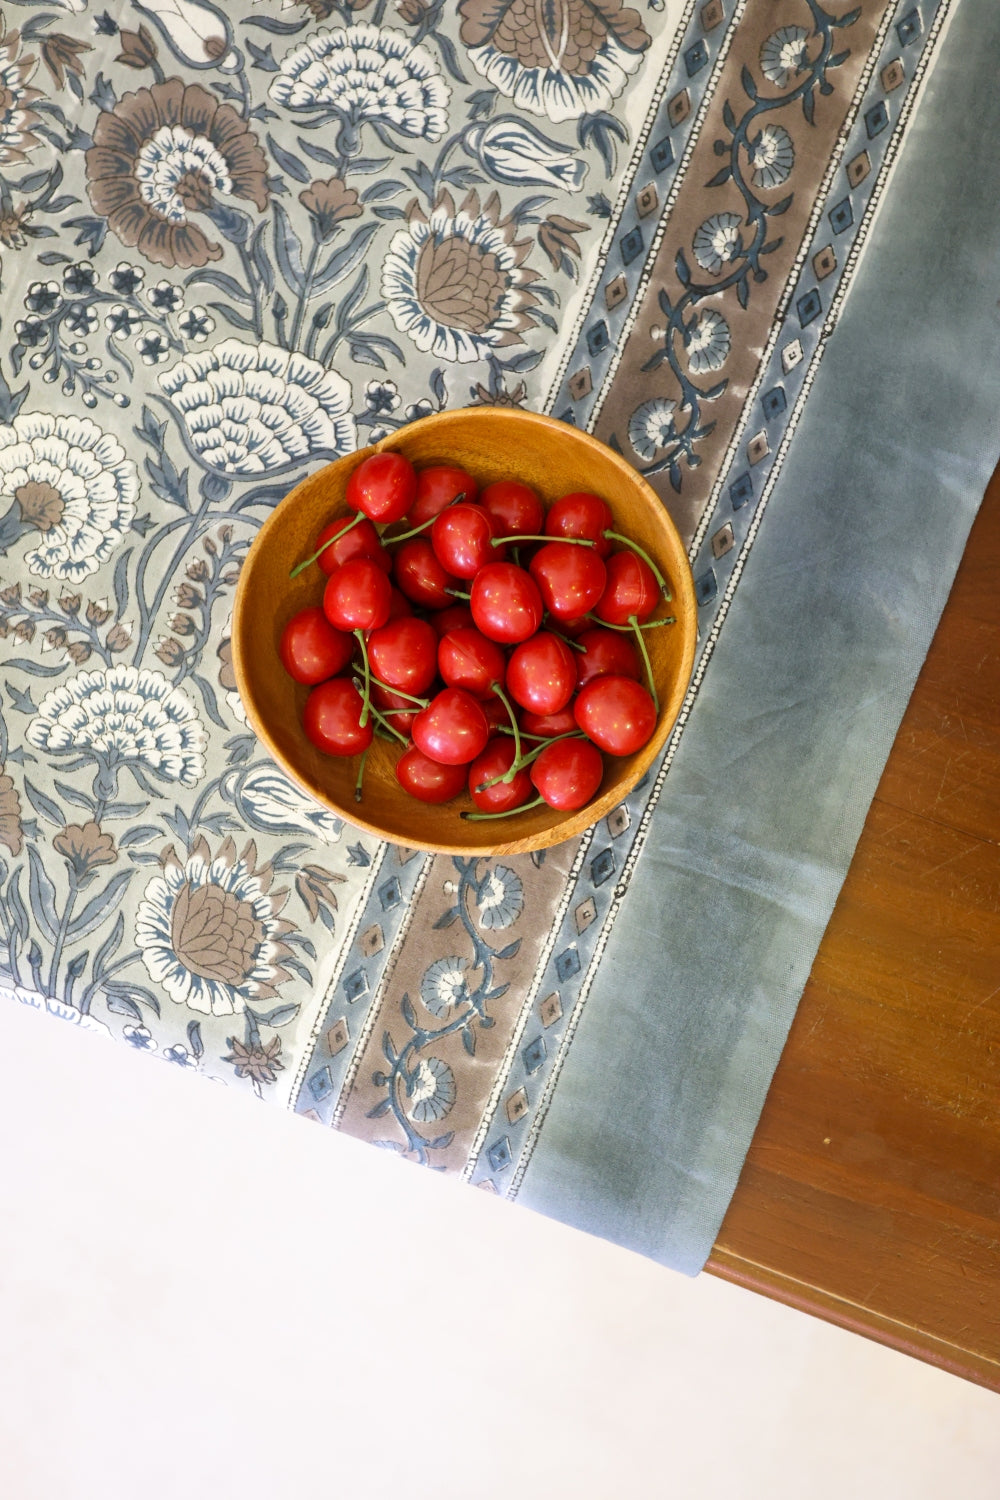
<point x="237" y="242"/>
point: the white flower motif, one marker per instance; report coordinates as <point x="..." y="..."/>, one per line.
<point x="500" y="897"/>
<point x="651" y="426"/>
<point x="153" y="347"/>
<point x="445" y="985"/>
<point x="511" y="151"/>
<point x="165" y="297"/>
<point x="717" y="241"/>
<point x="253" y="408"/>
<point x="366" y="72"/>
<point x="74" y="484"/>
<point x="431" y="1089"/>
<point x="209" y="932"/>
<point x="270" y="803"/>
<point x="783" y="54"/>
<point x="709" y="342"/>
<point x="772" y="156"/>
<point x="123" y="716"/>
<point x="382" y="395"/>
<point x="456" y="282"/>
<point x="165" y="163"/>
<point x="179" y="1055"/>
<point x="140" y="1037"/>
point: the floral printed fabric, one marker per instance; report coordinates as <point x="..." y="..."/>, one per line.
<point x="239" y="242"/>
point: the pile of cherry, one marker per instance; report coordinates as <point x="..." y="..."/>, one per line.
<point x="500" y="643"/>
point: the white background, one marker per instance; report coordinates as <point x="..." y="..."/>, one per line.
<point x="203" y="1296"/>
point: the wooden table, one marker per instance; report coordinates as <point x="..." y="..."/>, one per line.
<point x="871" y="1193"/>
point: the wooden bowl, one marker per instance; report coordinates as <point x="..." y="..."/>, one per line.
<point x="491" y="443"/>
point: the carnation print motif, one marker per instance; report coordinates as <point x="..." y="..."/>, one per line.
<point x="163" y="154"/>
<point x="18" y="120"/>
<point x="562" y="60"/>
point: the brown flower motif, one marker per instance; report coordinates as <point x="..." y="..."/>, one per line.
<point x="13" y="222"/>
<point x="516" y="397"/>
<point x="85" y="847"/>
<point x="61" y="55"/>
<point x="328" y="204"/>
<point x="209" y="929"/>
<point x="227" y="677"/>
<point x="17" y="118"/>
<point x="162" y="154"/>
<point x="569" y="57"/>
<point x="456" y="282"/>
<point x="259" y="1064"/>
<point x="557" y="237"/>
<point x="315" y="885"/>
<point x="11" y="834"/>
<point x="138" y="48"/>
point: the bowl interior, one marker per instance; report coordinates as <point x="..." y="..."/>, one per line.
<point x="491" y="443"/>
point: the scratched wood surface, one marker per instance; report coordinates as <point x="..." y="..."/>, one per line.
<point x="871" y="1193"/>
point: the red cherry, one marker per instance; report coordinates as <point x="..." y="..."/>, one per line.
<point x="361" y="540"/>
<point x="617" y="713"/>
<point x="568" y="773"/>
<point x="403" y="653"/>
<point x="438" y="486"/>
<point x="311" y="650"/>
<point x="428" y="780"/>
<point x="581" y="514"/>
<point x="398" y="710"/>
<point x="455" y="617"/>
<point x="631" y="589"/>
<point x="467" y="659"/>
<point x="515" y="507"/>
<point x="496" y="760"/>
<point x="541" y="673"/>
<point x="606" y="653"/>
<point x="420" y="576"/>
<point x="400" y="605"/>
<point x="462" y="538"/>
<point x="570" y="579"/>
<point x="497" y="716"/>
<point x="332" y="718"/>
<point x="506" y="604"/>
<point x="452" y="728"/>
<point x="545" y="726"/>
<point x="358" y="596"/>
<point x="383" y="487"/>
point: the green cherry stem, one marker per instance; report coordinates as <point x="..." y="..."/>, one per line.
<point x="458" y="594"/>
<point x="381" y="719"/>
<point x="616" y="536"/>
<point x="478" y="817"/>
<point x="646" y="661"/>
<point x="388" y="687"/>
<point x="301" y="567"/>
<point x="404" y="536"/>
<point x="366" y="693"/>
<point x="534" y="536"/>
<point x="512" y="716"/>
<point x="646" y="624"/>
<point x="529" y="755"/>
<point x="361" y="774"/>
<point x="574" y="645"/>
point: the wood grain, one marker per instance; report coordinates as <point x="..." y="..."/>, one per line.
<point x="871" y="1192"/>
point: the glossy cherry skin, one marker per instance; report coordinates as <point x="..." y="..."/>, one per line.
<point x="606" y="653"/>
<point x="452" y="729"/>
<point x="570" y="579"/>
<point x="462" y="538"/>
<point x="631" y="589"/>
<point x="505" y="603"/>
<point x="455" y="617"/>
<point x="437" y="486"/>
<point x="362" y="540"/>
<point x="403" y="653"/>
<point x="382" y="487"/>
<point x="541" y="673"/>
<point x="581" y="514"/>
<point x="311" y="650"/>
<point x="516" y="508"/>
<point x="568" y="773"/>
<point x="468" y="659"/>
<point x="398" y="710"/>
<point x="420" y="576"/>
<point x="332" y="718"/>
<point x="546" y="726"/>
<point x="616" y="713"/>
<point x="358" y="596"/>
<point x="496" y="760"/>
<point x="428" y="780"/>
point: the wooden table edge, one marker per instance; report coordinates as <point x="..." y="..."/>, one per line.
<point x="854" y="1317"/>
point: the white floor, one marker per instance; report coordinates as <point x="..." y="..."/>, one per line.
<point x="200" y="1296"/>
